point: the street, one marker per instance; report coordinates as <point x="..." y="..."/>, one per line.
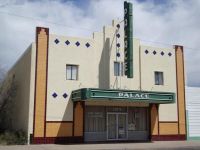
<point x="175" y="145"/>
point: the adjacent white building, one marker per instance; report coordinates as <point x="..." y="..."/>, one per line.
<point x="193" y="112"/>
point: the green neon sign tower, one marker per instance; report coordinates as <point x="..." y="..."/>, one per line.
<point x="128" y="39"/>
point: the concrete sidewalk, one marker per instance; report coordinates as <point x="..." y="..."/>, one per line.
<point x="175" y="145"/>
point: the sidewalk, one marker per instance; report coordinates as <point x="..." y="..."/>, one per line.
<point x="175" y="145"/>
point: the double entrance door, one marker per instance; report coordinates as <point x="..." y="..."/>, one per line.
<point x="116" y="126"/>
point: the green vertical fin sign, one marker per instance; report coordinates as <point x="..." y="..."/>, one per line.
<point x="128" y="39"/>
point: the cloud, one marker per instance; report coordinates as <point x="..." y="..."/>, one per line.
<point x="178" y="24"/>
<point x="172" y="22"/>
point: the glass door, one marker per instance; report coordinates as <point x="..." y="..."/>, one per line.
<point x="122" y="126"/>
<point x="112" y="126"/>
<point x="117" y="126"/>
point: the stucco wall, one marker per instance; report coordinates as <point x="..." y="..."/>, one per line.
<point x="60" y="54"/>
<point x="96" y="70"/>
<point x="95" y="66"/>
<point x="32" y="89"/>
<point x="166" y="64"/>
<point x="21" y="73"/>
<point x="122" y="82"/>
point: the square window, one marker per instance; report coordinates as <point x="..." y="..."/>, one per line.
<point x="118" y="68"/>
<point x="159" y="79"/>
<point x="72" y="72"/>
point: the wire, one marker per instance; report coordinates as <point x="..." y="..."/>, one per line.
<point x="86" y="29"/>
<point x="156" y="42"/>
<point x="168" y="44"/>
<point x="46" y="21"/>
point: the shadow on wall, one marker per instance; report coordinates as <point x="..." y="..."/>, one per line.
<point x="154" y="119"/>
<point x="66" y="127"/>
<point x="68" y="107"/>
<point x="60" y="132"/>
<point x="104" y="66"/>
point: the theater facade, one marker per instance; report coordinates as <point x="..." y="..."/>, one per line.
<point x="73" y="89"/>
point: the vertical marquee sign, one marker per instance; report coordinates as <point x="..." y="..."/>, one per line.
<point x="128" y="39"/>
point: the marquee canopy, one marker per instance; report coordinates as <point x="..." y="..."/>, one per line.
<point x="85" y="94"/>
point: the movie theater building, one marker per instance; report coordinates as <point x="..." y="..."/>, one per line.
<point x="73" y="89"/>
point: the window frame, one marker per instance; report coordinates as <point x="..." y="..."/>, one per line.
<point x="121" y="69"/>
<point x="71" y="76"/>
<point x="158" y="74"/>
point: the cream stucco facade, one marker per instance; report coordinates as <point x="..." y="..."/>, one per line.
<point x="95" y="70"/>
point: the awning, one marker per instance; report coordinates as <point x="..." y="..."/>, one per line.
<point x="123" y="95"/>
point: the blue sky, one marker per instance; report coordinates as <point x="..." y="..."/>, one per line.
<point x="79" y="3"/>
<point x="157" y="2"/>
<point x="167" y="21"/>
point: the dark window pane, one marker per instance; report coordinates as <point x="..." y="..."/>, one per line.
<point x="72" y="72"/>
<point x="159" y="78"/>
<point x="95" y="119"/>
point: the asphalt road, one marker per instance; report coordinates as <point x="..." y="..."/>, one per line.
<point x="175" y="145"/>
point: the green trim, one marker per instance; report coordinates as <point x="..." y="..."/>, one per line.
<point x="187" y="121"/>
<point x="123" y="95"/>
<point x="128" y="39"/>
<point x="193" y="138"/>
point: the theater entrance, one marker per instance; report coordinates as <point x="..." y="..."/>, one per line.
<point x="116" y="126"/>
<point x="116" y="123"/>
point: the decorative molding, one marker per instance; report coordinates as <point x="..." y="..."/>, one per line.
<point x="56" y="41"/>
<point x="157" y="107"/>
<point x="59" y="121"/>
<point x="83" y="106"/>
<point x="154" y="125"/>
<point x="65" y="95"/>
<point x="77" y="43"/>
<point x="87" y="45"/>
<point x="168" y="121"/>
<point x="154" y="52"/>
<point x="177" y="137"/>
<point x="46" y="83"/>
<point x="54" y="95"/>
<point x="40" y="31"/>
<point x="56" y="140"/>
<point x="78" y="125"/>
<point x="169" y="54"/>
<point x="180" y="81"/>
<point x="146" y="51"/>
<point x="67" y="42"/>
<point x="118" y="35"/>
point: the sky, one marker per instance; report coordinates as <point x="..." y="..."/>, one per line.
<point x="161" y="23"/>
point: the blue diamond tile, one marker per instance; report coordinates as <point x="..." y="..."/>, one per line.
<point x="170" y="54"/>
<point x="56" y="41"/>
<point x="162" y="53"/>
<point x="118" y="25"/>
<point x="154" y="52"/>
<point x="118" y="35"/>
<point x="54" y="95"/>
<point x="87" y="45"/>
<point x="146" y="51"/>
<point x="118" y="45"/>
<point x="118" y="54"/>
<point x="65" y="95"/>
<point x="67" y="42"/>
<point x="77" y="43"/>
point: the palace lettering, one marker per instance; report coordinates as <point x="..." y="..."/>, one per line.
<point x="133" y="95"/>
